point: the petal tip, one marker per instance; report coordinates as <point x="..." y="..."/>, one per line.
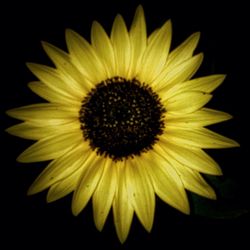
<point x="32" y="190"/>
<point x="148" y="227"/>
<point x="69" y="33"/>
<point x="200" y="56"/>
<point x="95" y="24"/>
<point x="32" y="66"/>
<point x="139" y="9"/>
<point x="21" y="159"/>
<point x="122" y="240"/>
<point x="9" y="113"/>
<point x="11" y="131"/>
<point x="213" y="195"/>
<point x="122" y="237"/>
<point x="231" y="143"/>
<point x="219" y="172"/>
<point x="49" y="199"/>
<point x="25" y="157"/>
<point x="223" y="77"/>
<point x="167" y="25"/>
<point x="228" y="116"/>
<point x="47" y="46"/>
<point x="29" y="65"/>
<point x="196" y="37"/>
<point x="31" y="85"/>
<point x="197" y="34"/>
<point x="99" y="226"/>
<point x="29" y="192"/>
<point x="235" y="144"/>
<point x="74" y="211"/>
<point x="75" y="208"/>
<point x="186" y="209"/>
<point x="7" y="130"/>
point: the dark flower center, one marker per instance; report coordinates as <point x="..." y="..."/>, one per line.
<point x="121" y="118"/>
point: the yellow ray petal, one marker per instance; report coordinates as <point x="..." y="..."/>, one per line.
<point x="61" y="168"/>
<point x="198" y="137"/>
<point x="104" y="194"/>
<point x="205" y="84"/>
<point x="51" y="77"/>
<point x="50" y="147"/>
<point x="44" y="111"/>
<point x="167" y="183"/>
<point x="193" y="158"/>
<point x="138" y="40"/>
<point x="52" y="122"/>
<point x="199" y="118"/>
<point x="50" y="95"/>
<point x="187" y="102"/>
<point x="183" y="72"/>
<point x="66" y="68"/>
<point x="193" y="181"/>
<point x="87" y="182"/>
<point x="28" y="130"/>
<point x="156" y="54"/>
<point x="122" y="208"/>
<point x="84" y="57"/>
<point x="141" y="193"/>
<point x="121" y="45"/>
<point x="183" y="51"/>
<point x="103" y="48"/>
<point x="63" y="187"/>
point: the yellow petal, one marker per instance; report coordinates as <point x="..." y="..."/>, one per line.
<point x="141" y="193"/>
<point x="104" y="194"/>
<point x="183" y="51"/>
<point x="66" y="68"/>
<point x="183" y="72"/>
<point x="87" y="182"/>
<point x="63" y="187"/>
<point x="61" y="168"/>
<point x="205" y="84"/>
<point x="50" y="95"/>
<point x="194" y="182"/>
<point x="121" y="45"/>
<point x="194" y="158"/>
<point x="198" y="137"/>
<point x="50" y="147"/>
<point x="85" y="58"/>
<point x="138" y="40"/>
<point x="28" y="130"/>
<point x="44" y="111"/>
<point x="122" y="208"/>
<point x="167" y="183"/>
<point x="199" y="118"/>
<point x="156" y="54"/>
<point x="51" y="77"/>
<point x="103" y="48"/>
<point x="187" y="102"/>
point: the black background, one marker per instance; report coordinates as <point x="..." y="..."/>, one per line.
<point x="29" y="221"/>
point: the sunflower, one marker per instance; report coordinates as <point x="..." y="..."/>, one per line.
<point x="123" y="122"/>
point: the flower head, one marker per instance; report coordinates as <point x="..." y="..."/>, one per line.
<point x="124" y="122"/>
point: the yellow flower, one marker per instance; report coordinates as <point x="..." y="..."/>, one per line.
<point x="123" y="122"/>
